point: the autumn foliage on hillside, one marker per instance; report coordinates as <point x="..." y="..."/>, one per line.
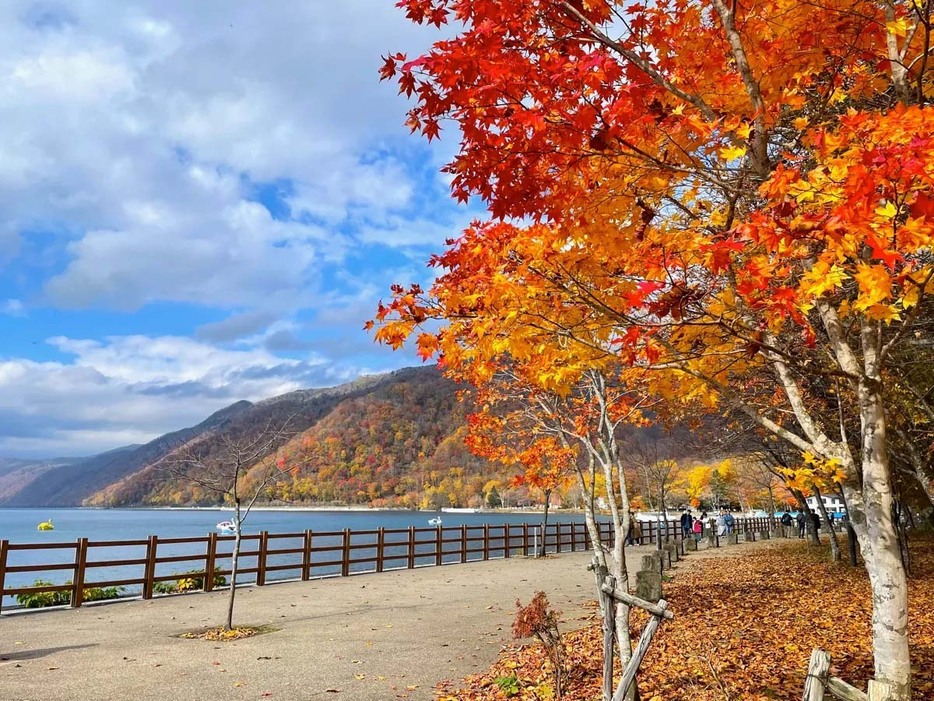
<point x="743" y="630"/>
<point x="402" y="446"/>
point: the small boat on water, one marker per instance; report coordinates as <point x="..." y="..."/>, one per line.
<point x="46" y="526"/>
<point x="227" y="526"/>
<point x="436" y="521"/>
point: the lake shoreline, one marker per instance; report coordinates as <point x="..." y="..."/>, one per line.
<point x="297" y="509"/>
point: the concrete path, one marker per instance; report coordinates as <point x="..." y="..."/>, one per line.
<point x="367" y="637"/>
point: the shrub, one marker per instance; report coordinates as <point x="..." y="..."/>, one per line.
<point x="540" y="621"/>
<point x="508" y="685"/>
<point x="63" y="598"/>
<point x="42" y="599"/>
<point x="192" y="580"/>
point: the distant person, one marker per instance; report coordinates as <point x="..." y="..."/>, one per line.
<point x="721" y="523"/>
<point x="785" y="520"/>
<point x="698" y="529"/>
<point x="730" y="521"/>
<point x="815" y="522"/>
<point x="801" y="520"/>
<point x="631" y="533"/>
<point x="635" y="526"/>
<point x="687" y="523"/>
<point x="830" y="520"/>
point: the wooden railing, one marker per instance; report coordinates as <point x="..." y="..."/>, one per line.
<point x="267" y="557"/>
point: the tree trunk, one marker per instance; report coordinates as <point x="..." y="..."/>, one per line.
<point x="850" y="533"/>
<point x="541" y="550"/>
<point x="234" y="562"/>
<point x="834" y="544"/>
<point x="872" y="520"/>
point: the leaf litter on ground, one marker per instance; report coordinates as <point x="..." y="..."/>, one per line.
<point x="743" y="630"/>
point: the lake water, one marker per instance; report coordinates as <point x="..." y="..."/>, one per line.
<point x="20" y="526"/>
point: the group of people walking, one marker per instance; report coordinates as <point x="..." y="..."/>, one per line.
<point x="801" y="521"/>
<point x="692" y="526"/>
<point x="695" y="527"/>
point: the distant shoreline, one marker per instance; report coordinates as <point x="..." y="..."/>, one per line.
<point x="344" y="509"/>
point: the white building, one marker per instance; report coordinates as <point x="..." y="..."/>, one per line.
<point x="834" y="505"/>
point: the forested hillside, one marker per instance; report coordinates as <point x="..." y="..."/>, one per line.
<point x="401" y="445"/>
<point x="395" y="439"/>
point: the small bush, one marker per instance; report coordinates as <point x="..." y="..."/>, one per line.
<point x="43" y="599"/>
<point x="540" y="621"/>
<point x="508" y="685"/>
<point x="63" y="598"/>
<point x="192" y="580"/>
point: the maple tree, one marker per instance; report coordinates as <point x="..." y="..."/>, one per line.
<point x="524" y="424"/>
<point x="737" y="195"/>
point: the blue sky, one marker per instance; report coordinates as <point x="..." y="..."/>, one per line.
<point x="200" y="202"/>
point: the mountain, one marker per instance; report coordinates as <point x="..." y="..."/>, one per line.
<point x="16" y="474"/>
<point x="70" y="483"/>
<point x="375" y="440"/>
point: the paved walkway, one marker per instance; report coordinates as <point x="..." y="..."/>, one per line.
<point x="368" y="637"/>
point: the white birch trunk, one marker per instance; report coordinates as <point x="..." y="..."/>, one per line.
<point x="878" y="542"/>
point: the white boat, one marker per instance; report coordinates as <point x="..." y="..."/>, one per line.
<point x="436" y="521"/>
<point x="227" y="526"/>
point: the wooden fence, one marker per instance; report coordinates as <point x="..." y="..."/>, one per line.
<point x="139" y="565"/>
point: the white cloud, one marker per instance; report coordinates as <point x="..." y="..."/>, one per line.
<point x="134" y="388"/>
<point x="137" y="136"/>
<point x="13" y="307"/>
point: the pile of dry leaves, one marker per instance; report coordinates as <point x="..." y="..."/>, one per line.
<point x="744" y="629"/>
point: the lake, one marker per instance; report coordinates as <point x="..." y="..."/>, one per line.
<point x="20" y="526"/>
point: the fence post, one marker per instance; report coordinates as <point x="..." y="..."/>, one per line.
<point x="209" y="561"/>
<point x="525" y="539"/>
<point x="573" y="537"/>
<point x="149" y="569"/>
<point x="464" y="543"/>
<point x="439" y="545"/>
<point x="486" y="541"/>
<point x="4" y="545"/>
<point x="380" y="548"/>
<point x="81" y="559"/>
<point x="306" y="556"/>
<point x="558" y="537"/>
<point x="411" y="563"/>
<point x="345" y="553"/>
<point x="261" y="558"/>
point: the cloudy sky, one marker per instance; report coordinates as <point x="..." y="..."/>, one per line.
<point x="200" y="202"/>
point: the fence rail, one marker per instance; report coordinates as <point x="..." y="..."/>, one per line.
<point x="266" y="557"/>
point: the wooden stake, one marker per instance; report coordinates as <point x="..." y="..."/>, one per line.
<point x="629" y="675"/>
<point x="609" y="626"/>
<point x="841" y="690"/>
<point x="655" y="609"/>
<point x="816" y="680"/>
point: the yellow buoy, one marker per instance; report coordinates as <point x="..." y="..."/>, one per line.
<point x="46" y="526"/>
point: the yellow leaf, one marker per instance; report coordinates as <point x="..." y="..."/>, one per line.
<point x="731" y="153"/>
<point x="898" y="27"/>
<point x="887" y="211"/>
